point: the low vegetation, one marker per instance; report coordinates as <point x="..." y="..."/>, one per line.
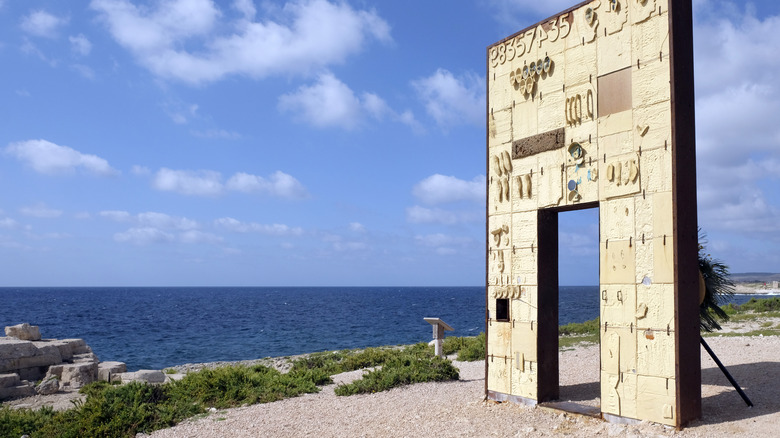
<point x="577" y="333"/>
<point x="468" y="349"/>
<point x="123" y="411"/>
<point x="412" y="366"/>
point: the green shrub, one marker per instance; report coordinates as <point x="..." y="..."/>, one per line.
<point x="231" y="386"/>
<point x="117" y="411"/>
<point x="580" y="328"/>
<point x="17" y="422"/>
<point x="468" y="348"/>
<point x="762" y="305"/>
<point x="404" y="369"/>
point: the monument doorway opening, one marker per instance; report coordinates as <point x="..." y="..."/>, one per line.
<point x="578" y="279"/>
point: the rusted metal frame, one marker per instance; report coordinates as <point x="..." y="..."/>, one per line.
<point x="547" y="314"/>
<point x="686" y="297"/>
<point x="487" y="212"/>
<point x="535" y="25"/>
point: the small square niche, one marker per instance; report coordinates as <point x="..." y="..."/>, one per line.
<point x="502" y="309"/>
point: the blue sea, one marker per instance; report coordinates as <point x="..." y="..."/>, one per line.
<point x="158" y="327"/>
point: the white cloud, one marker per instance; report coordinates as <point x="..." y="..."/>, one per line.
<point x="246" y="7"/>
<point x="344" y="109"/>
<point x="29" y="48"/>
<point x="350" y="246"/>
<point x="195" y="236"/>
<point x="278" y="184"/>
<point x="187" y="182"/>
<point x="140" y="170"/>
<point x="83" y="70"/>
<point x="737" y="133"/>
<point x="49" y="158"/>
<point x="453" y="101"/>
<point x="7" y="222"/>
<point x="42" y="24"/>
<point x="375" y="106"/>
<point x="237" y="226"/>
<point x="328" y="103"/>
<point x="440" y="189"/>
<point x="162" y="220"/>
<point x="80" y="44"/>
<point x="179" y="112"/>
<point x="422" y="215"/>
<point x="578" y="243"/>
<point x="220" y="134"/>
<point x="181" y="39"/>
<point x="441" y="240"/>
<point x="40" y="211"/>
<point x="443" y="244"/>
<point x="48" y="236"/>
<point x="151" y="219"/>
<point x="144" y="236"/>
<point x="116" y="215"/>
<point x="209" y="183"/>
<point x="357" y="227"/>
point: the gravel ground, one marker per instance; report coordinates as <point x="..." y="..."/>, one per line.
<point x="457" y="409"/>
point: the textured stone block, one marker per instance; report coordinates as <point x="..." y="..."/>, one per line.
<point x="23" y="390"/>
<point x="615" y="123"/>
<point x="525" y="122"/>
<point x="24" y="331"/>
<point x="524" y="307"/>
<point x="142" y="376"/>
<point x="107" y="369"/>
<point x="655" y="306"/>
<point x="8" y="380"/>
<point x="524" y="340"/>
<point x="656" y="399"/>
<point x="77" y="375"/>
<point x="48" y="386"/>
<point x="617" y="265"/>
<point x="499" y="374"/>
<point x="499" y="127"/>
<point x="617" y="219"/>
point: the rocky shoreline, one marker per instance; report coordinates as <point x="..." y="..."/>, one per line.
<point x="458" y="408"/>
<point x="36" y="372"/>
<point x="744" y="289"/>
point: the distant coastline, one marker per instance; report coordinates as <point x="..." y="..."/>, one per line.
<point x="750" y="289"/>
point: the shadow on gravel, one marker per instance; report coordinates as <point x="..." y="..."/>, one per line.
<point x="586" y="393"/>
<point x="758" y="381"/>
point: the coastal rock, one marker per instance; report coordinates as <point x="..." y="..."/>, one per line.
<point x="24" y="331"/>
<point x="27" y="359"/>
<point x="48" y="386"/>
<point x="175" y="376"/>
<point x="11" y="350"/>
<point x="108" y="369"/>
<point x="12" y="386"/>
<point x="85" y="358"/>
<point x="8" y="380"/>
<point x="62" y="364"/>
<point x="69" y="347"/>
<point x="24" y="389"/>
<point x="143" y="376"/>
<point x="76" y="375"/>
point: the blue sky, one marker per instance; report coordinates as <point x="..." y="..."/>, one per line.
<point x="314" y="142"/>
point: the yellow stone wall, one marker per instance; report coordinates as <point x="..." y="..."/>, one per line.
<point x="605" y="79"/>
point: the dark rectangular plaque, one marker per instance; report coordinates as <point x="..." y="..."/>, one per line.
<point x="614" y="92"/>
<point x="545" y="141"/>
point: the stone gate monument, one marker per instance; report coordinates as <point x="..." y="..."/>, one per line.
<point x="594" y="107"/>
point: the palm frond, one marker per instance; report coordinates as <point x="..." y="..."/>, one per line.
<point x="719" y="288"/>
